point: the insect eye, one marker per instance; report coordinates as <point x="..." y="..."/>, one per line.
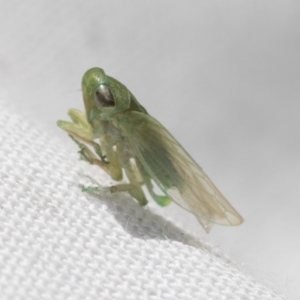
<point x="104" y="97"/>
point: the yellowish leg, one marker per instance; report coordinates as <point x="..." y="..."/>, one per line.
<point x="161" y="200"/>
<point x="137" y="191"/>
<point x="89" y="156"/>
<point x="126" y="187"/>
<point x="82" y="133"/>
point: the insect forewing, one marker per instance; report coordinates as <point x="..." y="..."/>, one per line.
<point x="175" y="172"/>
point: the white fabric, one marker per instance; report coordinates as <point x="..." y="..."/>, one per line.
<point x="59" y="243"/>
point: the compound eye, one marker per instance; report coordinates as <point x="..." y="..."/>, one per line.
<point x="104" y="97"/>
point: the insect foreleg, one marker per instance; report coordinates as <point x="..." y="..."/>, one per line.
<point x="89" y="156"/>
<point x="96" y="146"/>
<point x="81" y="130"/>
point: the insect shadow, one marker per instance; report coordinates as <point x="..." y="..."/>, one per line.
<point x="144" y="223"/>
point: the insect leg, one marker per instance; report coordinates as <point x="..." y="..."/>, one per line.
<point x="89" y="156"/>
<point x="96" y="146"/>
<point x="134" y="185"/>
<point x="81" y="130"/>
<point x="160" y="200"/>
<point x="135" y="182"/>
<point x="113" y="156"/>
<point x="126" y="187"/>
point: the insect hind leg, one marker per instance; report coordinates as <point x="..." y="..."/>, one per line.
<point x="161" y="200"/>
<point x="126" y="187"/>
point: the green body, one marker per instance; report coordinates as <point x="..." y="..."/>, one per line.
<point x="123" y="135"/>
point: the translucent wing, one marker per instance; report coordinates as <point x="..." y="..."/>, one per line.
<point x="175" y="172"/>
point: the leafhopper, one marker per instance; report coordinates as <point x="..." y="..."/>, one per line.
<point x="116" y="133"/>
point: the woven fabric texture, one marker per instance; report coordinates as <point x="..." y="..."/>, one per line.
<point x="59" y="243"/>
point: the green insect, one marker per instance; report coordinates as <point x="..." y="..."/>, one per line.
<point x="116" y="133"/>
